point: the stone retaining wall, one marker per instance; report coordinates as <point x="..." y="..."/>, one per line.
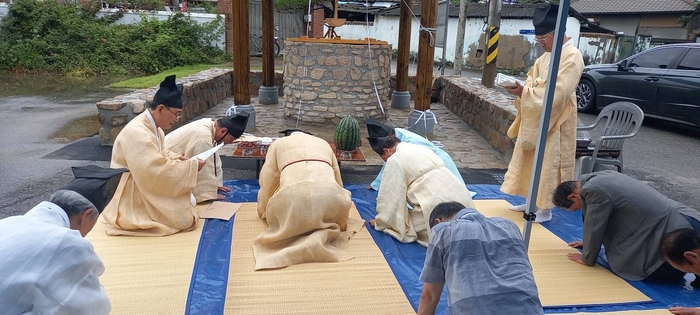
<point x="338" y="81"/>
<point x="202" y="91"/>
<point x="489" y="111"/>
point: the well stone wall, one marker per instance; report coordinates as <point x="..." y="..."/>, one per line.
<point x="332" y="80"/>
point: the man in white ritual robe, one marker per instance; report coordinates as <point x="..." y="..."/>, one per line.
<point x="199" y="136"/>
<point x="304" y="203"/>
<point x="560" y="149"/>
<point x="46" y="265"/>
<point x="155" y="197"/>
<point x="377" y="129"/>
<point x="417" y="177"/>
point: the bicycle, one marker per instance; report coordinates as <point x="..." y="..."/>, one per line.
<point x="257" y="43"/>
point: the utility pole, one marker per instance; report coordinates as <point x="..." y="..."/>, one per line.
<point x="459" y="50"/>
<point x="488" y="74"/>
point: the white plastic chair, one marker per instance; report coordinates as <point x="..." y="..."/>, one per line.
<point x="623" y="121"/>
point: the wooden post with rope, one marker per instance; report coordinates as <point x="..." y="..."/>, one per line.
<point x="241" y="53"/>
<point x="488" y="74"/>
<point x="268" y="52"/>
<point x="426" y="54"/>
<point x="401" y="98"/>
<point x="404" y="47"/>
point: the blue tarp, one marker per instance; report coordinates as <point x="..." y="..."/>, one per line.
<point x="210" y="274"/>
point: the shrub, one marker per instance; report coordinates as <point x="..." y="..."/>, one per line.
<point x="47" y="36"/>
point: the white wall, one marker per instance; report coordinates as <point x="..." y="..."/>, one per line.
<point x="387" y="28"/>
<point x="3" y="10"/>
<point x="133" y="17"/>
<point x="626" y="24"/>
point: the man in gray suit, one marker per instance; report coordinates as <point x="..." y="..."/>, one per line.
<point x="629" y="218"/>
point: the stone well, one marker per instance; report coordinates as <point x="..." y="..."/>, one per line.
<point x="332" y="78"/>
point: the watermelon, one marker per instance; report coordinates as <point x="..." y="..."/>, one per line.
<point x="347" y="134"/>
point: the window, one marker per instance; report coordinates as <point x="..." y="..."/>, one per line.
<point x="659" y="58"/>
<point x="691" y="61"/>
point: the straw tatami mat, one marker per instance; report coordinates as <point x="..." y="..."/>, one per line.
<point x="561" y="281"/>
<point x="362" y="285"/>
<point x="146" y="275"/>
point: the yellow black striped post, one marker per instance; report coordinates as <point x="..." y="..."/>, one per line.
<point x="492" y="46"/>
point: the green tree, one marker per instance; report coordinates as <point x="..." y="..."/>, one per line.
<point x="46" y="36"/>
<point x="687" y="19"/>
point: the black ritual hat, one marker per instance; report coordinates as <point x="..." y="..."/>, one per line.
<point x="235" y="124"/>
<point x="545" y="18"/>
<point x="377" y="144"/>
<point x="375" y="128"/>
<point x="288" y="132"/>
<point x="169" y="94"/>
<point x="95" y="183"/>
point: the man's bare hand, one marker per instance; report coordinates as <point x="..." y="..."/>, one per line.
<point x="182" y="158"/>
<point x="220" y="197"/>
<point x="577" y="257"/>
<point x="576" y="244"/>
<point x="371" y="222"/>
<point x="684" y="310"/>
<point x="201" y="164"/>
<point x="369" y="187"/>
<point x="224" y="188"/>
<point x="517" y="90"/>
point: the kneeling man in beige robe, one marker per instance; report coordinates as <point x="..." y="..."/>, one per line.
<point x="155" y="197"/>
<point x="304" y="203"/>
<point x="417" y="177"/>
<point x="201" y="135"/>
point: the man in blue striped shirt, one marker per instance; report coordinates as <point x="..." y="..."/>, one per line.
<point x="482" y="260"/>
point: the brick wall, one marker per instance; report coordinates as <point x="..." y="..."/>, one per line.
<point x="318" y="16"/>
<point x="224" y="7"/>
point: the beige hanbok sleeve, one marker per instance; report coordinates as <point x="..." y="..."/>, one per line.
<point x="269" y="179"/>
<point x="532" y="97"/>
<point x="154" y="197"/>
<point x="392" y="216"/>
<point x="207" y="181"/>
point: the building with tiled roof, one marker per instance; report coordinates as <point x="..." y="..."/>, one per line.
<point x="655" y="18"/>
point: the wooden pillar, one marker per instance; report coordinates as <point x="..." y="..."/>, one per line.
<point x="241" y="52"/>
<point x="268" y="47"/>
<point x="402" y="60"/>
<point x="426" y="54"/>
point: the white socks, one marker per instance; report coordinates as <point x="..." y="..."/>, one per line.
<point x="519" y="208"/>
<point x="543" y="215"/>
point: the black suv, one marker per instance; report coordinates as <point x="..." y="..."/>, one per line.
<point x="663" y="81"/>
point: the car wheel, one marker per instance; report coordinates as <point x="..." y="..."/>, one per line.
<point x="585" y="96"/>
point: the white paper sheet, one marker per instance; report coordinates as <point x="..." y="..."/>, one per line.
<point x="506" y="80"/>
<point x="206" y="154"/>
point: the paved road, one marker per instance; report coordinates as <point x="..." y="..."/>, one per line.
<point x="666" y="156"/>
